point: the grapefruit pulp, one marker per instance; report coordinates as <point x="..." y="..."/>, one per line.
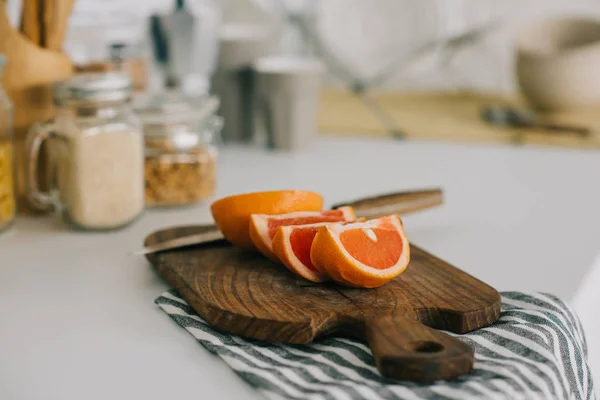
<point x="363" y="254"/>
<point x="263" y="227"/>
<point x="292" y="244"/>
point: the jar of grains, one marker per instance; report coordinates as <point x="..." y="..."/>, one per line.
<point x="96" y="153"/>
<point x="180" y="154"/>
<point x="7" y="182"/>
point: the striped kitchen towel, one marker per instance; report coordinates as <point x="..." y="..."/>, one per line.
<point x="536" y="350"/>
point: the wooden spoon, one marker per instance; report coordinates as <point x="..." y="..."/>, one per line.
<point x="56" y="29"/>
<point x="31" y="21"/>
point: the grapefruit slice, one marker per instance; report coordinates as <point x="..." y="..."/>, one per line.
<point x="263" y="227"/>
<point x="292" y="244"/>
<point x="363" y="254"/>
<point x="232" y="214"/>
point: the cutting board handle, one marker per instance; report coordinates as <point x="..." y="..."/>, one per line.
<point x="406" y="349"/>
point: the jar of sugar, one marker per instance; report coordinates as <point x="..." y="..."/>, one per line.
<point x="96" y="149"/>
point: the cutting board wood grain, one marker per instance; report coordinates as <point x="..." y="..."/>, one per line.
<point x="248" y="295"/>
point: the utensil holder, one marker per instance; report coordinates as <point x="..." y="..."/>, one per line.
<point x="28" y="78"/>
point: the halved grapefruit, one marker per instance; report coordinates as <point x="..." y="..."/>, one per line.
<point x="263" y="227"/>
<point x="363" y="254"/>
<point x="232" y="214"/>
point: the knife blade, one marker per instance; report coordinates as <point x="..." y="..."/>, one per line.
<point x="191" y="240"/>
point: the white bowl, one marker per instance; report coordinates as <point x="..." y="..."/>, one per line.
<point x="558" y="63"/>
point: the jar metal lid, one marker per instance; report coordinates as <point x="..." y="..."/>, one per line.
<point x="180" y="138"/>
<point x="174" y="107"/>
<point x="94" y="86"/>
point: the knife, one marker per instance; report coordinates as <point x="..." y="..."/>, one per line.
<point x="370" y="207"/>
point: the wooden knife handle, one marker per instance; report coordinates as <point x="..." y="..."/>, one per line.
<point x="405" y="349"/>
<point x="395" y="203"/>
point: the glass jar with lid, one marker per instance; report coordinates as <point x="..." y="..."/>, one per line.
<point x="7" y="177"/>
<point x="180" y="153"/>
<point x="105" y="39"/>
<point x="96" y="153"/>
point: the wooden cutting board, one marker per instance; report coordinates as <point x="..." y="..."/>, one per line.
<point x="245" y="294"/>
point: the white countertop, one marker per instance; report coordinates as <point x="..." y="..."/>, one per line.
<point x="77" y="313"/>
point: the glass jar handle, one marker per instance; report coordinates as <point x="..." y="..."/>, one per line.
<point x="35" y="138"/>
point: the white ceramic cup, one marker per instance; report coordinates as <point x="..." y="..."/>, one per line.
<point x="288" y="92"/>
<point x="558" y="63"/>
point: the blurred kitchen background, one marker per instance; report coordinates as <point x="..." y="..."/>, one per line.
<point x="205" y="75"/>
<point x="451" y="57"/>
<point x="368" y="37"/>
<point x="457" y="55"/>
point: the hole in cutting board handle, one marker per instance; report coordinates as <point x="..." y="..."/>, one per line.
<point x="427" y="347"/>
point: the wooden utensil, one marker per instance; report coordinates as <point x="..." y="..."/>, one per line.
<point x="28" y="65"/>
<point x="59" y="12"/>
<point x="27" y="78"/>
<point x="248" y="295"/>
<point x="31" y="21"/>
<point x="371" y="207"/>
<point x="45" y="22"/>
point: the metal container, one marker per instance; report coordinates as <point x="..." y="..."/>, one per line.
<point x="287" y="94"/>
<point x="234" y="80"/>
<point x="185" y="44"/>
<point x="96" y="153"/>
